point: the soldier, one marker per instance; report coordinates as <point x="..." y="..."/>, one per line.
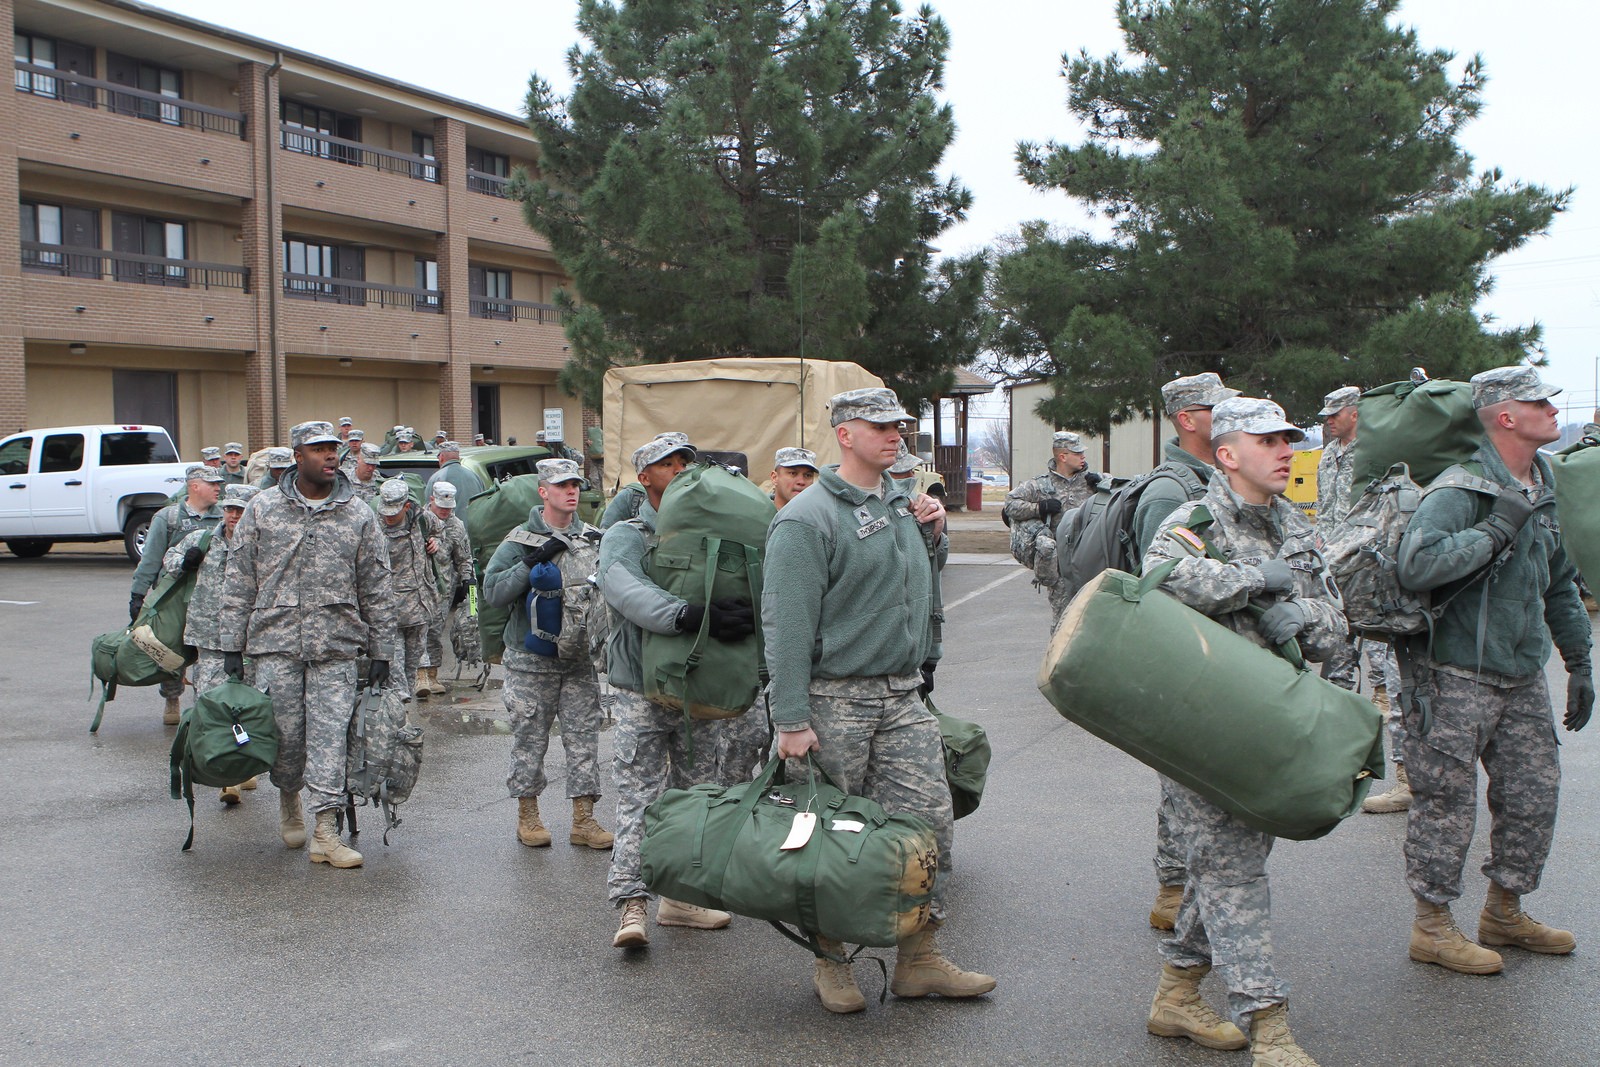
<point x="792" y="470"/>
<point x="558" y="447"/>
<point x="848" y="609"/>
<point x="306" y="593"/>
<point x="209" y="566"/>
<point x="454" y="563"/>
<point x="468" y="484"/>
<point x="1033" y="508"/>
<point x="346" y="425"/>
<point x="351" y="448"/>
<point x="1256" y="544"/>
<point x="211" y="456"/>
<point x="542" y="688"/>
<point x="279" y="461"/>
<point x="197" y="511"/>
<point x="413" y="538"/>
<point x="1481" y="694"/>
<point x="908" y="469"/>
<point x="364" y="476"/>
<point x="233" y="463"/>
<point x="653" y="742"/>
<point x="405" y="441"/>
<point x="1188" y="458"/>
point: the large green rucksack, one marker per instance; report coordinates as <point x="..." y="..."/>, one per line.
<point x="1426" y="423"/>
<point x="151" y="650"/>
<point x="490" y="516"/>
<point x="228" y="737"/>
<point x="1577" y="471"/>
<point x="711" y="532"/>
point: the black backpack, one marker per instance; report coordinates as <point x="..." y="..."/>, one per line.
<point x="1098" y="535"/>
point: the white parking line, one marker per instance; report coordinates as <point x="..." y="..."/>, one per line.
<point x="20" y="603"/>
<point x="1019" y="572"/>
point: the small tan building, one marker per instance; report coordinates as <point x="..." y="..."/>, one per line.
<point x="1127" y="451"/>
<point x="225" y="237"/>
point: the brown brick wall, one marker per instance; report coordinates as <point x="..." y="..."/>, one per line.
<point x="358" y="192"/>
<point x="13" y="367"/>
<point x="124" y="313"/>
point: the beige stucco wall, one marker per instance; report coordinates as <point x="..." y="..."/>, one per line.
<point x="1133" y="448"/>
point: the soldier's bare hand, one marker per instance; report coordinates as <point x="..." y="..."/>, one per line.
<point x="928" y="509"/>
<point x="792" y="744"/>
<point x="432" y="545"/>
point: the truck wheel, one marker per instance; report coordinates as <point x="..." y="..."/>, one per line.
<point x="133" y="533"/>
<point x="29" y="548"/>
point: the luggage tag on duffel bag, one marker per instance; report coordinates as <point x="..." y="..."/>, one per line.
<point x="805" y="822"/>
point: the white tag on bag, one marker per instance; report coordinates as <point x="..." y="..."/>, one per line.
<point x="799" y="831"/>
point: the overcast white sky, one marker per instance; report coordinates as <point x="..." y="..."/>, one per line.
<point x="1005" y="85"/>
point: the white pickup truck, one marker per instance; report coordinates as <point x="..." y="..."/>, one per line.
<point x="84" y="483"/>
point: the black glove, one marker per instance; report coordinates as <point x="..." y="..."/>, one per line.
<point x="1580" y="698"/>
<point x="1279" y="576"/>
<point x="545" y="552"/>
<point x="1049" y="506"/>
<point x="460" y="595"/>
<point x="1282" y="621"/>
<point x="1092" y="478"/>
<point x="192" y="559"/>
<point x="1510" y="514"/>
<point x="135" y="605"/>
<point x="378" y="674"/>
<point x="732" y="620"/>
<point x="233" y="664"/>
<point x="926" y="688"/>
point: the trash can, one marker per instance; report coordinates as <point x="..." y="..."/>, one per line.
<point x="975" y="495"/>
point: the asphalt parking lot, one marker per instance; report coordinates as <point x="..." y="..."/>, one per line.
<point x="455" y="944"/>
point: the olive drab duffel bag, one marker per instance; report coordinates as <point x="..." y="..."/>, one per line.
<point x="1577" y="471"/>
<point x="227" y="738"/>
<point x="966" y="760"/>
<point x="711" y="531"/>
<point x="490" y="516"/>
<point x="853" y="872"/>
<point x="1272" y="743"/>
<point x="1426" y="423"/>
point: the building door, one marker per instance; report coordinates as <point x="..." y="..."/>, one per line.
<point x="486" y="410"/>
<point x="145" y="398"/>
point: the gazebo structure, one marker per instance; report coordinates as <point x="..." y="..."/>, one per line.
<point x="950" y="459"/>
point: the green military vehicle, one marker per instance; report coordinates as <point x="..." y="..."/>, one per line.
<point x="491" y="463"/>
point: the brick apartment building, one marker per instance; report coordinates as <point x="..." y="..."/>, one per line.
<point x="226" y="237"/>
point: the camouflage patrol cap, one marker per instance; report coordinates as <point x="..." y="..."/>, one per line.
<point x="659" y="448"/>
<point x="279" y="457"/>
<point x="906" y="461"/>
<point x="370" y="453"/>
<point x="346" y="420"/>
<point x="404" y="434"/>
<point x="233" y="448"/>
<point x="1066" y="441"/>
<point x="210" y="453"/>
<point x="1338" y="400"/>
<point x="444" y="495"/>
<point x="1196" y="391"/>
<point x="199" y="472"/>
<point x="238" y="495"/>
<point x="795" y="457"/>
<point x="1509" y="383"/>
<point x="356" y="435"/>
<point x="449" y="446"/>
<point x="313" y="433"/>
<point x="556" y="471"/>
<point x="1251" y="415"/>
<point x="440" y="434"/>
<point x="393" y="495"/>
<point x="871" y="405"/>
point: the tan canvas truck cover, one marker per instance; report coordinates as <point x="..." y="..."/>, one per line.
<point x="754" y="406"/>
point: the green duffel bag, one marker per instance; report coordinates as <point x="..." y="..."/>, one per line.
<point x="711" y="530"/>
<point x="1275" y="745"/>
<point x="863" y="876"/>
<point x="966" y="760"/>
<point x="1577" y="470"/>
<point x="227" y="738"/>
<point x="1428" y="425"/>
<point x="489" y="516"/>
<point x="151" y="650"/>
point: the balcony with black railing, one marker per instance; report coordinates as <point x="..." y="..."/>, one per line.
<point x="488" y="184"/>
<point x="329" y="290"/>
<point x="488" y="307"/>
<point x="71" y="261"/>
<point x="48" y="83"/>
<point x="353" y="153"/>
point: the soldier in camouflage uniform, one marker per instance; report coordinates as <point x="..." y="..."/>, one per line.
<point x="413" y="536"/>
<point x="1188" y="457"/>
<point x="1482" y="694"/>
<point x="1033" y="509"/>
<point x="209" y="565"/>
<point x="541" y="688"/>
<point x="306" y="592"/>
<point x="363" y="473"/>
<point x="233" y="463"/>
<point x="454" y="562"/>
<point x="849" y="611"/>
<point x="279" y="461"/>
<point x="652" y="744"/>
<point x="351" y="449"/>
<point x="1267" y="552"/>
<point x="197" y="511"/>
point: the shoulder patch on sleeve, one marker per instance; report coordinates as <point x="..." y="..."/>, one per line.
<point x="1188" y="539"/>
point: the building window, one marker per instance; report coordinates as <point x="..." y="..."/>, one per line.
<point x="141" y="235"/>
<point x="53" y="234"/>
<point x="57" y="54"/>
<point x="307" y="261"/>
<point x="303" y="123"/>
<point x="138" y="74"/>
<point x="487" y="287"/>
<point x="426" y="277"/>
<point x="422" y="145"/>
<point x="41" y="52"/>
<point x="487" y="172"/>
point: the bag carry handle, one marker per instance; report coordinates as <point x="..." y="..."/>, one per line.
<point x="1289" y="650"/>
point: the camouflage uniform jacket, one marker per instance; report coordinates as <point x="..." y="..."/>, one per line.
<point x="200" y="627"/>
<point x="505" y="584"/>
<point x="1532" y="597"/>
<point x="454" y="559"/>
<point x="1335" y="473"/>
<point x="1247" y="535"/>
<point x="848" y="591"/>
<point x="637" y="604"/>
<point x="1021" y="510"/>
<point x="167" y="527"/>
<point x="364" y="490"/>
<point x="416" y="588"/>
<point x="308" y="579"/>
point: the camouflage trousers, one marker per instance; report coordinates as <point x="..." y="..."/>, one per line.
<point x="742" y="744"/>
<point x="1511" y="731"/>
<point x="883" y="743"/>
<point x="311" y="703"/>
<point x="408" y="649"/>
<point x="536" y="699"/>
<point x="173" y="687"/>
<point x="462" y="628"/>
<point x="1225" y="918"/>
<point x="208" y="672"/>
<point x="1343" y="669"/>
<point x="653" y="754"/>
<point x="1170" y="869"/>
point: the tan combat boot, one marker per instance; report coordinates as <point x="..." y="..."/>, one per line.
<point x="291" y="821"/>
<point x="1435" y="938"/>
<point x="249" y="783"/>
<point x="530" y="831"/>
<point x="230" y="795"/>
<point x="435" y="686"/>
<point x="1398" y="798"/>
<point x="585" y="831"/>
<point x="920" y="969"/>
<point x="1271" y="1043"/>
<point x="835" y="983"/>
<point x="422" y="687"/>
<point x="1164" y="915"/>
<point x="631" y="932"/>
<point x="171" y="713"/>
<point x="676" y="913"/>
<point x="1503" y="922"/>
<point x="326" y="846"/>
<point x="1178" y="1011"/>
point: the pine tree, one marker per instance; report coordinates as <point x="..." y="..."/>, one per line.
<point x="1289" y="207"/>
<point x="754" y="178"/>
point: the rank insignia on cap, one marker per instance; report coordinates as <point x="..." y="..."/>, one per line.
<point x="1188" y="539"/>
